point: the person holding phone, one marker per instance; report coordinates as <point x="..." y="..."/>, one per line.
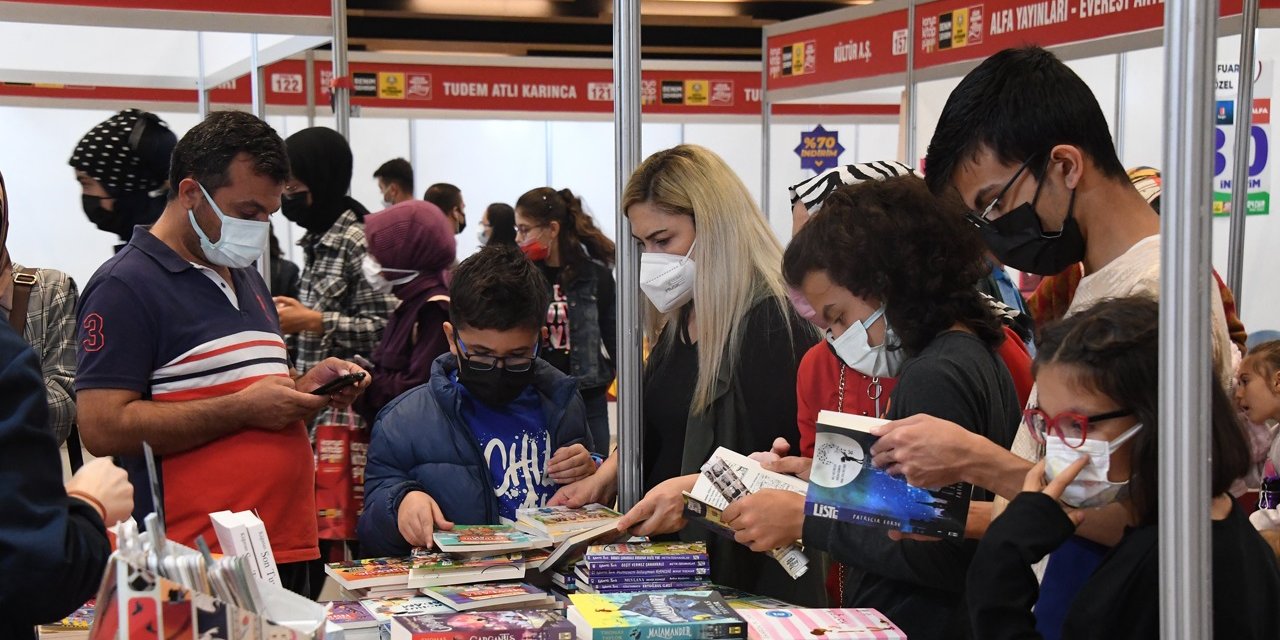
<point x="179" y="347"/>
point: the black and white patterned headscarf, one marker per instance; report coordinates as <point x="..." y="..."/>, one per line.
<point x="126" y="152"/>
<point x="816" y="189"/>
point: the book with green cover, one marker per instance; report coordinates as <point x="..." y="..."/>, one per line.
<point x="486" y="538"/>
<point x="675" y="615"/>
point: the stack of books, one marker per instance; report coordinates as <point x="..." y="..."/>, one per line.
<point x="559" y="523"/>
<point x="644" y="566"/>
<point x="436" y="569"/>
<point x="372" y="577"/>
<point x="829" y="624"/>
<point x="497" y="625"/>
<point x="676" y="615"/>
<point x="487" y="540"/>
<point x="73" y="627"/>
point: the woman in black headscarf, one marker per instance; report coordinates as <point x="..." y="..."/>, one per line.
<point x="122" y="166"/>
<point x="337" y="312"/>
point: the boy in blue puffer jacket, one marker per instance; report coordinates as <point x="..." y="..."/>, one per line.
<point x="495" y="429"/>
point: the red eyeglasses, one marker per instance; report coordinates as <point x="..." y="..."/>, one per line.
<point x="1071" y="428"/>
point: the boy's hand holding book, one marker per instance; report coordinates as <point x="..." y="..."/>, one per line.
<point x="570" y="464"/>
<point x="419" y="517"/>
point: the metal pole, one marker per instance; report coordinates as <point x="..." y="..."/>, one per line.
<point x="259" y="99"/>
<point x="1244" y="135"/>
<point x="626" y="131"/>
<point x="910" y="93"/>
<point x="550" y="153"/>
<point x="202" y="91"/>
<point x="1185" y="369"/>
<point x="413" y="148"/>
<point x="341" y="95"/>
<point x="1122" y="68"/>
<point x="309" y="85"/>
<point x="765" y="108"/>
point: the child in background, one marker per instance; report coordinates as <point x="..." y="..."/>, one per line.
<point x="1258" y="397"/>
<point x="495" y="429"/>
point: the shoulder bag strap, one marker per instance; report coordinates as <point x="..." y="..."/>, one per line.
<point x="23" y="281"/>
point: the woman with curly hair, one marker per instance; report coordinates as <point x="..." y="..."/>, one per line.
<point x="891" y="268"/>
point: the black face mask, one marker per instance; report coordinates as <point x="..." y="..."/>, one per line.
<point x="496" y="387"/>
<point x="105" y="219"/>
<point x="295" y="209"/>
<point x="1018" y="239"/>
<point x="462" y="225"/>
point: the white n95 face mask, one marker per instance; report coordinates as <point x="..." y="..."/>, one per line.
<point x="855" y="351"/>
<point x="240" y="243"/>
<point x="373" y="273"/>
<point x="667" y="279"/>
<point x="1091" y="488"/>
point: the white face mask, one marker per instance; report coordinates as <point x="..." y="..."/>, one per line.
<point x="855" y="350"/>
<point x="241" y="241"/>
<point x="373" y="272"/>
<point x="667" y="279"/>
<point x="482" y="236"/>
<point x="1091" y="488"/>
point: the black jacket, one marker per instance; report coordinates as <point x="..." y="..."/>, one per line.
<point x="53" y="548"/>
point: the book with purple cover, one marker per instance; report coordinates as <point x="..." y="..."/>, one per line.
<point x="350" y="614"/>
<point x="485" y="625"/>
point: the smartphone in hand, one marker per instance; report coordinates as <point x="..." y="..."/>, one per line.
<point x="338" y="384"/>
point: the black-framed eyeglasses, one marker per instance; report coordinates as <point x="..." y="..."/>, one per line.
<point x="1071" y="428"/>
<point x="480" y="362"/>
<point x="980" y="218"/>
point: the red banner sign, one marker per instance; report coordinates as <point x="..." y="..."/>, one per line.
<point x="862" y="48"/>
<point x="261" y="7"/>
<point x="959" y="30"/>
<point x="535" y="89"/>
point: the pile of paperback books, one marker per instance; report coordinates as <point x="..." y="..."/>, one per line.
<point x="643" y="566"/>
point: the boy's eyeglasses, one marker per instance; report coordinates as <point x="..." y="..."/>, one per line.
<point x="480" y="362"/>
<point x="1070" y="428"/>
<point x="981" y="218"/>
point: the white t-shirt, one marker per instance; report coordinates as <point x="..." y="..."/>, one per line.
<point x="1135" y="272"/>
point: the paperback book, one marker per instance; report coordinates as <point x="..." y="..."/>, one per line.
<point x="561" y="522"/>
<point x="485" y="625"/>
<point x="682" y="615"/>
<point x="384" y="609"/>
<point x="475" y="596"/>
<point x="572" y="549"/>
<point x="349" y="614"/>
<point x="370" y="572"/>
<point x="844" y="485"/>
<point x="623" y="554"/>
<point x="829" y="624"/>
<point x="436" y="569"/>
<point x="486" y="539"/>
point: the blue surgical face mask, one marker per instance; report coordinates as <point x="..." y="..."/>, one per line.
<point x="240" y="243"/>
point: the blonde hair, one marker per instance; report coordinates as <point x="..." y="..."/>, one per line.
<point x="739" y="259"/>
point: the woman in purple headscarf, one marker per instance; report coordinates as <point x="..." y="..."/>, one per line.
<point x="411" y="245"/>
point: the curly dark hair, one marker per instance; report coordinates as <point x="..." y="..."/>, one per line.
<point x="498" y="288"/>
<point x="208" y="149"/>
<point x="894" y="240"/>
<point x="1114" y="349"/>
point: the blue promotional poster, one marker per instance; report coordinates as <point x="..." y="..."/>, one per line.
<point x="1226" y="116"/>
<point x="819" y="149"/>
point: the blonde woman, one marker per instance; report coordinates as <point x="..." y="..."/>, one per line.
<point x="726" y="347"/>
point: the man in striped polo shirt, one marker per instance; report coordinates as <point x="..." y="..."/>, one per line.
<point x="180" y="347"/>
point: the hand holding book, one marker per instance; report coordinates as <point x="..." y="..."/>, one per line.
<point x="661" y="510"/>
<point x="767" y="519"/>
<point x="419" y="517"/>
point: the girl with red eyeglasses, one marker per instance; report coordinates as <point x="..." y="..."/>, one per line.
<point x="1097" y="418"/>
